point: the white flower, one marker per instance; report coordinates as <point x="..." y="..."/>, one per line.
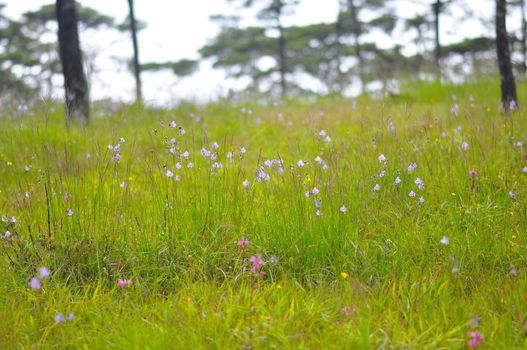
<point x="444" y="240"/>
<point x="322" y="132"/>
<point x="464" y="146"/>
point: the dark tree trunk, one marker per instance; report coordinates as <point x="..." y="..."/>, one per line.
<point x="136" y="65"/>
<point x="282" y="56"/>
<point x="437" y="7"/>
<point x="338" y="55"/>
<point x="76" y="87"/>
<point x="356" y="29"/>
<point x="524" y="37"/>
<point x="508" y="87"/>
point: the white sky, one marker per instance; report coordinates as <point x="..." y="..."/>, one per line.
<point x="178" y="28"/>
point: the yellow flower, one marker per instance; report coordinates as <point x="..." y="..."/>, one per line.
<point x="278" y="286"/>
<point x="344" y="275"/>
<point x="9" y="164"/>
<point x="130" y="178"/>
<point x="453" y="194"/>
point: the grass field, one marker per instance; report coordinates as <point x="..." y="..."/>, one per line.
<point x="360" y="248"/>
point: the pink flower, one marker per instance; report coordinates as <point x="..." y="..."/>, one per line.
<point x="243" y="243"/>
<point x="346" y="310"/>
<point x="257" y="262"/>
<point x="123" y="283"/>
<point x="476" y="338"/>
<point x="67" y="197"/>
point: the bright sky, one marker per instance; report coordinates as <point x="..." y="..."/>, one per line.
<point x="178" y="28"/>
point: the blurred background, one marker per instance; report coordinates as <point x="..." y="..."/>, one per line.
<point x="202" y="50"/>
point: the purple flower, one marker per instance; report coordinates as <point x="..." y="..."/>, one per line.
<point x="70" y="316"/>
<point x="215" y="145"/>
<point x="444" y="240"/>
<point x="172" y="124"/>
<point x="411" y="194"/>
<point x="412" y="167"/>
<point x="169" y="173"/>
<point x="377" y="187"/>
<point x="243" y="243"/>
<point x="43" y="272"/>
<point x="397" y="180"/>
<point x="182" y="131"/>
<point x="382" y="158"/>
<point x="343" y="209"/>
<point x="70" y="212"/>
<point x="524" y="169"/>
<point x="513" y="105"/>
<point x="322" y="133"/>
<point x="257" y="262"/>
<point x="473" y="173"/>
<point x="421" y="200"/>
<point x="59" y="318"/>
<point x="300" y="163"/>
<point x="314" y="191"/>
<point x="123" y="283"/>
<point x="476" y="338"/>
<point x="512" y="195"/>
<point x="464" y="146"/>
<point x="35" y="284"/>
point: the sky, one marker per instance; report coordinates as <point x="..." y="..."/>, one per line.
<point x="176" y="29"/>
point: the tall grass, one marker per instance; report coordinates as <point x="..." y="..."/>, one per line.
<point x="376" y="252"/>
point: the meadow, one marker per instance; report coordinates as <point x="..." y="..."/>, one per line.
<point x="397" y="223"/>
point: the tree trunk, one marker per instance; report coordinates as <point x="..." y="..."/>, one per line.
<point x="136" y="65"/>
<point x="282" y="58"/>
<point x="76" y="88"/>
<point x="508" y="87"/>
<point x="357" y="32"/>
<point x="524" y="38"/>
<point x="437" y="7"/>
<point x="338" y="56"/>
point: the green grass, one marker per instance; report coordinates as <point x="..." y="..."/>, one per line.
<point x="177" y="240"/>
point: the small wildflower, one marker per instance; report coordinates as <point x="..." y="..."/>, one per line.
<point x="243" y="150"/>
<point x="412" y="194"/>
<point x="343" y="209"/>
<point x="322" y="133"/>
<point x="215" y="145"/>
<point x="346" y="311"/>
<point x="122" y="140"/>
<point x="190" y="165"/>
<point x="318" y="212"/>
<point x="524" y="170"/>
<point x="123" y="283"/>
<point x="182" y="131"/>
<point x="43" y="272"/>
<point x="327" y="139"/>
<point x="243" y="243"/>
<point x="123" y="184"/>
<point x="27" y="168"/>
<point x="382" y="158"/>
<point x="513" y="105"/>
<point x="185" y="154"/>
<point x="59" y="318"/>
<point x="314" y="191"/>
<point x="473" y="173"/>
<point x="421" y="200"/>
<point x="344" y="275"/>
<point x="377" y="187"/>
<point x="70" y="316"/>
<point x="169" y="173"/>
<point x="512" y="195"/>
<point x="7" y="234"/>
<point x="476" y="338"/>
<point x="257" y="262"/>
<point x="178" y="165"/>
<point x="300" y="163"/>
<point x="412" y="167"/>
<point x="70" y="212"/>
<point x="397" y="180"/>
<point x="35" y="284"/>
<point x="67" y="197"/>
<point x="382" y="174"/>
<point x="444" y="240"/>
<point x="319" y="160"/>
<point x="172" y="124"/>
<point x="464" y="146"/>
